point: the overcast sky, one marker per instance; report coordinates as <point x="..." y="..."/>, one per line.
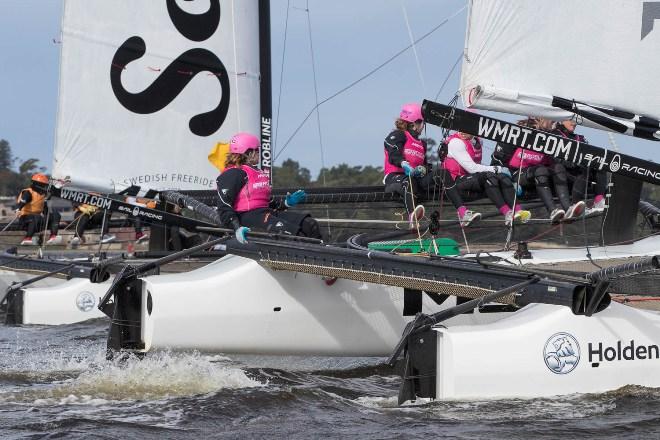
<point x="350" y="38"/>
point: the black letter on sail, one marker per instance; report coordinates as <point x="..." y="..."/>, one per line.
<point x="650" y="13"/>
<point x="170" y="83"/>
<point x="195" y="27"/>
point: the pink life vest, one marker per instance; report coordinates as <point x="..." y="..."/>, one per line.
<point x="528" y="158"/>
<point x="414" y="152"/>
<point x="256" y="191"/>
<point x="452" y="165"/>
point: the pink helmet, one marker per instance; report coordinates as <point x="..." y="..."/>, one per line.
<point x="242" y="142"/>
<point x="411" y="112"/>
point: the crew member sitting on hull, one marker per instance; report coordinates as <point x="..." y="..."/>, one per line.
<point x="578" y="175"/>
<point x="89" y="217"/>
<point x="245" y="196"/>
<point x="406" y="170"/>
<point x="32" y="210"/>
<point x="463" y="162"/>
<point x="535" y="169"/>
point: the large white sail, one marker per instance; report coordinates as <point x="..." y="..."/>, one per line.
<point x="147" y="88"/>
<point x="594" y="58"/>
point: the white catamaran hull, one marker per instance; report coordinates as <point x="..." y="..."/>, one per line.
<point x="236" y="306"/>
<point x="545" y="350"/>
<point x="66" y="303"/>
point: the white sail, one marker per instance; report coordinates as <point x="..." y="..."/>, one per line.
<point x="596" y="58"/>
<point x="150" y="119"/>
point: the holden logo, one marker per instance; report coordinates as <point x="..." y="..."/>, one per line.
<point x="561" y="353"/>
<point x="615" y="164"/>
<point x="135" y="211"/>
<point x="85" y="301"/>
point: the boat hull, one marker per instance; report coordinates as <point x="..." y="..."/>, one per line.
<point x="545" y="350"/>
<point x="236" y="306"/>
<point x="66" y="303"/>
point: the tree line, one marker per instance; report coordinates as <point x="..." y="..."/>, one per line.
<point x="15" y="173"/>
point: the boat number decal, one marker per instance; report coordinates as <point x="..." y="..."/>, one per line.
<point x="561" y="353"/>
<point x="175" y="77"/>
<point x="85" y="301"/>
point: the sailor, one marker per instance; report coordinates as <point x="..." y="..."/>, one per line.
<point x="579" y="176"/>
<point x="245" y="196"/>
<point x="463" y="162"/>
<point x="89" y="217"/>
<point x="535" y="169"/>
<point x="407" y="171"/>
<point x="32" y="211"/>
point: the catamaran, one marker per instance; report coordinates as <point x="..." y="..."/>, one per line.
<point x="269" y="296"/>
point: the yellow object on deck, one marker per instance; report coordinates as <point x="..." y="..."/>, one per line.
<point x="218" y="155"/>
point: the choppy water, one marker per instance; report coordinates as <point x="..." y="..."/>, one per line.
<point x="56" y="383"/>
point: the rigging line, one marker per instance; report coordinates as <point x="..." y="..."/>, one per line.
<point x="460" y="55"/>
<point x="233" y="30"/>
<point x="316" y="91"/>
<point x="279" y="94"/>
<point x="365" y="76"/>
<point x="414" y="48"/>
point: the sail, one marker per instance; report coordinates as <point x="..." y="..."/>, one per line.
<point x="148" y="88"/>
<point x="594" y="59"/>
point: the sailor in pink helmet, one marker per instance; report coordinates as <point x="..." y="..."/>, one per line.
<point x="407" y="171"/>
<point x="463" y="162"/>
<point x="244" y="193"/>
<point x="537" y="170"/>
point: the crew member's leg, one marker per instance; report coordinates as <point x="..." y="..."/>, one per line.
<point x="400" y="184"/>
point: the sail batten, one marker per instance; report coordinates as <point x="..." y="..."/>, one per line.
<point x="565" y="59"/>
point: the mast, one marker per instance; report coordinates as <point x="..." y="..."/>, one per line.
<point x="265" y="152"/>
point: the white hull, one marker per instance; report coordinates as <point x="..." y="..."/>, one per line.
<point x="232" y="306"/>
<point x="645" y="247"/>
<point x="66" y="303"/>
<point x="8" y="277"/>
<point x="545" y="350"/>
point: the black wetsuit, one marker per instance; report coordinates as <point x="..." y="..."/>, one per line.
<point x="271" y="219"/>
<point x="578" y="176"/>
<point x="424" y="187"/>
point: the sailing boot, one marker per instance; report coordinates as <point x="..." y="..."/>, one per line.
<point x="29" y="241"/>
<point x="467" y="217"/>
<point x="522" y="216"/>
<point x="575" y="210"/>
<point x="54" y="239"/>
<point x="597" y="207"/>
<point x="141" y="237"/>
<point x="557" y="215"/>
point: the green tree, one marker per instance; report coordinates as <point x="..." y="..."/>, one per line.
<point x="291" y="175"/>
<point x="6" y="160"/>
<point x="347" y="175"/>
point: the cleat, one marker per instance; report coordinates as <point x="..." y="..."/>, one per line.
<point x="522" y="216"/>
<point x="108" y="238"/>
<point x="415" y="216"/>
<point x="557" y="215"/>
<point x="575" y="210"/>
<point x="468" y="218"/>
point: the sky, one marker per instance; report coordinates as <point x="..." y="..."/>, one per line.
<point x="349" y="38"/>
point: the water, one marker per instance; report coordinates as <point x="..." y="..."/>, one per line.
<point x="56" y="383"/>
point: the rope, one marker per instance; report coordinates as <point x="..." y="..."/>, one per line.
<point x="279" y="95"/>
<point x="365" y="76"/>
